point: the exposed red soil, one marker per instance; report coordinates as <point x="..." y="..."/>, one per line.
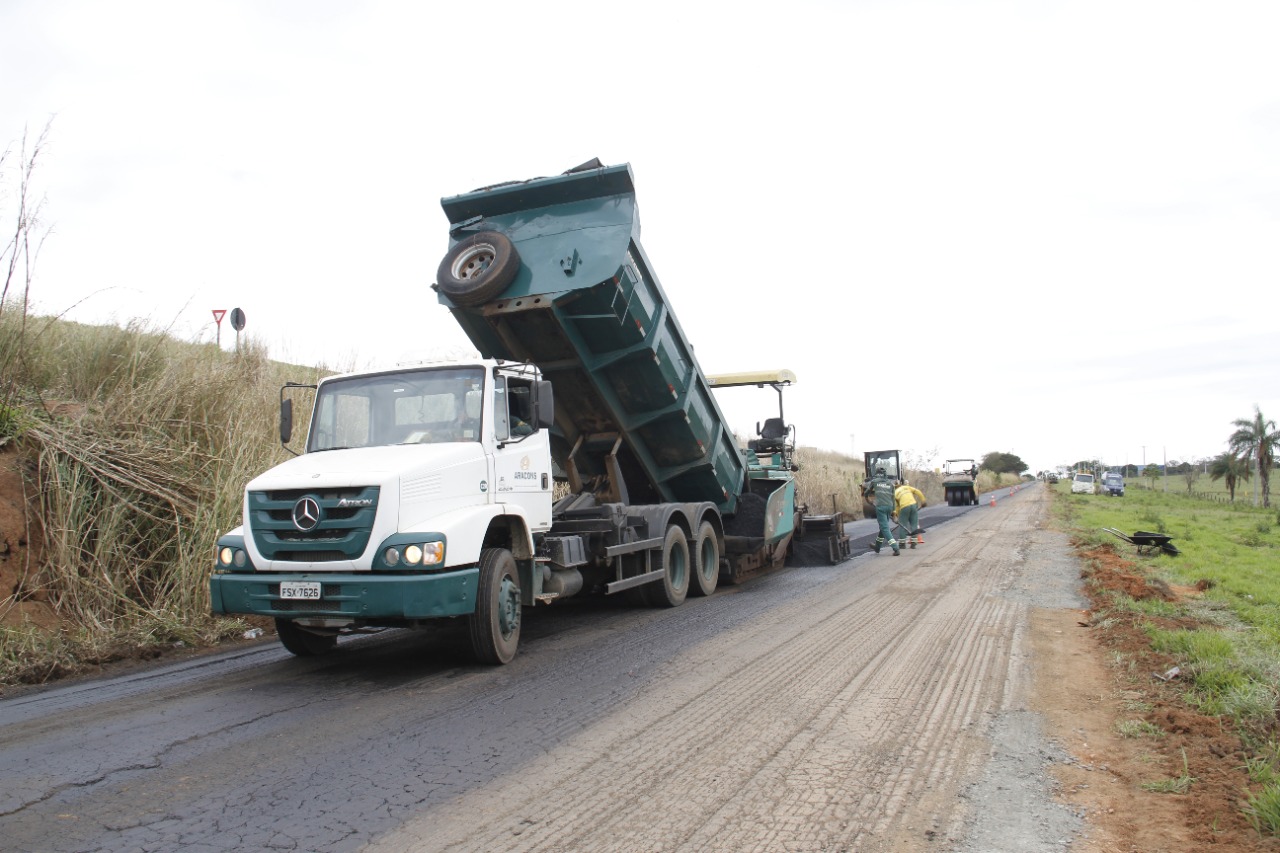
<point x="1118" y="678"/>
<point x="21" y="548"/>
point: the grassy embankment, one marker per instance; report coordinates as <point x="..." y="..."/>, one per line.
<point x="138" y="447"/>
<point x="1231" y="660"/>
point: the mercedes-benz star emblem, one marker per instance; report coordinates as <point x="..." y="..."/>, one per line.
<point x="306" y="514"/>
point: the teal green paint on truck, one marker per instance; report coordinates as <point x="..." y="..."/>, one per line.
<point x="780" y="512"/>
<point x="588" y="310"/>
<point x="376" y="599"/>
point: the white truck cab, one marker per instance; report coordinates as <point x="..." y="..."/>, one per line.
<point x="406" y="477"/>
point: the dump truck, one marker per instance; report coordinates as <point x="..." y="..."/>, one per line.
<point x="431" y="491"/>
<point x="872" y="461"/>
<point x="958" y="479"/>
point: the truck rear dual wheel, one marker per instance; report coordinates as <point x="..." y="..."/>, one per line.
<point x="495" y="626"/>
<point x="478" y="268"/>
<point x="706" y="561"/>
<point x="674" y="561"/>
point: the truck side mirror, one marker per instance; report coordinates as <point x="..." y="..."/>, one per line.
<point x="286" y="421"/>
<point x="544" y="409"/>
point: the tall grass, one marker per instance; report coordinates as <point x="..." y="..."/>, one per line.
<point x="141" y="446"/>
<point x="829" y="481"/>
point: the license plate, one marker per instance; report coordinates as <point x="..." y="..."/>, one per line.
<point x="300" y="591"/>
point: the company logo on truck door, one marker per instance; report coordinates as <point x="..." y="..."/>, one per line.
<point x="524" y="473"/>
<point x="306" y="514"/>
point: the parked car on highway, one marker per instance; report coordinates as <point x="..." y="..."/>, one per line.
<point x="1082" y="484"/>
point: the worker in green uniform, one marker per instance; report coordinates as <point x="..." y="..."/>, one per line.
<point x="879" y="489"/>
<point x="907" y="503"/>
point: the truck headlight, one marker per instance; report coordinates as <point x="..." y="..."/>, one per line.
<point x="230" y="555"/>
<point x="424" y="554"/>
<point x="411" y="554"/>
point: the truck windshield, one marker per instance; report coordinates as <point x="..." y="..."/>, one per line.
<point x="889" y="462"/>
<point x="429" y="406"/>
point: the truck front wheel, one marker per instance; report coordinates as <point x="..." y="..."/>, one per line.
<point x="495" y="626"/>
<point x="706" y="558"/>
<point x="304" y="643"/>
<point x="674" y="562"/>
<point x="478" y="268"/>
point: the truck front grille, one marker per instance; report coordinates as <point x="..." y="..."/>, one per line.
<point x="338" y="523"/>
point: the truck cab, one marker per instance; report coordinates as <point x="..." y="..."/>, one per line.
<point x="1113" y="484"/>
<point x="407" y="476"/>
<point x="1082" y="484"/>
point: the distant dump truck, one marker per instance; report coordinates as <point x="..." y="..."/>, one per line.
<point x="958" y="479"/>
<point x="425" y="492"/>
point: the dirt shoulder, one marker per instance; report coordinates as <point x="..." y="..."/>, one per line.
<point x="1093" y="675"/>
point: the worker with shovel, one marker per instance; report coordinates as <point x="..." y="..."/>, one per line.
<point x="908" y="501"/>
<point x="879" y="489"/>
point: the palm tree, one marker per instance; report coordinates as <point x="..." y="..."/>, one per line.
<point x="1232" y="468"/>
<point x="1256" y="438"/>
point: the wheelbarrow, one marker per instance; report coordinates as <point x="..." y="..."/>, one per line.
<point x="1147" y="542"/>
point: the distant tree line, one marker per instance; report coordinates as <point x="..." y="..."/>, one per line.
<point x="1251" y="448"/>
<point x="1003" y="463"/>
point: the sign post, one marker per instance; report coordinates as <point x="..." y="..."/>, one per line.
<point x="237" y="323"/>
<point x="218" y="314"/>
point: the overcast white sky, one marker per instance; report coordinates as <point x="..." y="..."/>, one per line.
<point x="1045" y="228"/>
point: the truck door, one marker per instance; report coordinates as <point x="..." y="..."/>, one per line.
<point x="522" y="460"/>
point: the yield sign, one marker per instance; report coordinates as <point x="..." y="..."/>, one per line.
<point x="218" y="314"/>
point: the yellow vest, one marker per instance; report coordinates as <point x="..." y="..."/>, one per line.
<point x="906" y="496"/>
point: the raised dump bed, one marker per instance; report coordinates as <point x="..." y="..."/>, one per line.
<point x="582" y="302"/>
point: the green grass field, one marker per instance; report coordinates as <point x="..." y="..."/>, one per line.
<point x="1232" y="659"/>
<point x="1201" y="486"/>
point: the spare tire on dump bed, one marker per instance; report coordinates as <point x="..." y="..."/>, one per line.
<point x="478" y="268"/>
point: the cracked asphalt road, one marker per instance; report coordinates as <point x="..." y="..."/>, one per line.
<point x="873" y="705"/>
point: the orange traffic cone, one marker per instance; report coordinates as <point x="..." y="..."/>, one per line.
<point x="993" y="500"/>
